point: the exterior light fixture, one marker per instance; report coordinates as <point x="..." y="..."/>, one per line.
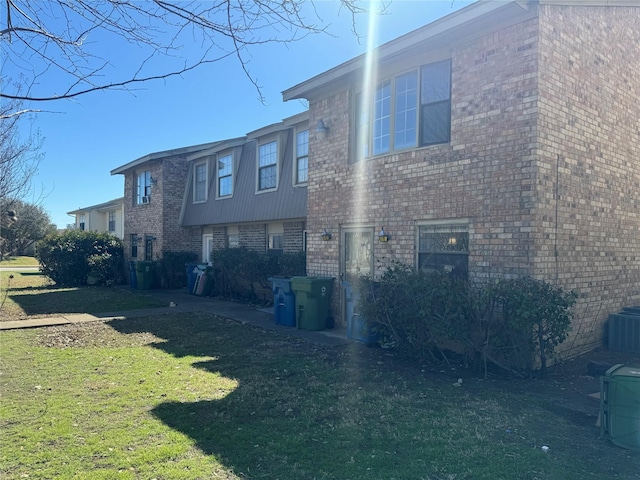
<point x="382" y="236"/>
<point x="321" y="130"/>
<point x="326" y="236"/>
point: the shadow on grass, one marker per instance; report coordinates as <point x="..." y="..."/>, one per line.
<point x="301" y="411"/>
<point x="60" y="300"/>
<point x="277" y="423"/>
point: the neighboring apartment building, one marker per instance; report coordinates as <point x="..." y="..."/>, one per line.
<point x="105" y="217"/>
<point x="500" y="140"/>
<point x="252" y="191"/>
<point x="153" y="191"/>
<point x="248" y="191"/>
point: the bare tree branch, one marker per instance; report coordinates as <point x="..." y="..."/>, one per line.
<point x="63" y="49"/>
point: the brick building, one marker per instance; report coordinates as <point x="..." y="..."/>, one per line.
<point x="501" y="140"/>
<point x="248" y="192"/>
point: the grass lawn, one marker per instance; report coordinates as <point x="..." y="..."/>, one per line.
<point x="26" y="294"/>
<point x="19" y="262"/>
<point x="194" y="396"/>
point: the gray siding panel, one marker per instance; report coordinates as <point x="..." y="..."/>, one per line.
<point x="287" y="202"/>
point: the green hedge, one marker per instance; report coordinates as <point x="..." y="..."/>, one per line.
<point x="514" y="324"/>
<point x="76" y="258"/>
<point x="244" y="274"/>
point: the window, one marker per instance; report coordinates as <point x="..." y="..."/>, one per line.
<point x="233" y="236"/>
<point x="276" y="241"/>
<point x="148" y="247"/>
<point x="233" y="240"/>
<point x="444" y="248"/>
<point x="410" y="109"/>
<point x="225" y="176"/>
<point x="275" y="237"/>
<point x="200" y="182"/>
<point x="382" y="119"/>
<point x="112" y="221"/>
<point x="134" y="245"/>
<point x="143" y="192"/>
<point x="406" y="118"/>
<point x="302" y="157"/>
<point x="81" y="222"/>
<point x="435" y="103"/>
<point x="268" y="166"/>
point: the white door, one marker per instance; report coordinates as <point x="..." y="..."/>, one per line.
<point x="207" y="247"/>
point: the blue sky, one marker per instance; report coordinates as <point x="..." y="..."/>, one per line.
<point x="88" y="137"/>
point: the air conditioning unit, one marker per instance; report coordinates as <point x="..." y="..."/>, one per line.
<point x="624" y="331"/>
<point x="146" y="199"/>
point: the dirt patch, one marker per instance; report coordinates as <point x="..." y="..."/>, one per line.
<point x="92" y="334"/>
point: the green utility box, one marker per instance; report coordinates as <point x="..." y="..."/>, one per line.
<point x="144" y="274"/>
<point x="313" y="302"/>
<point x="620" y="406"/>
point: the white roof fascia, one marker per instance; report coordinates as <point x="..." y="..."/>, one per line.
<point x="101" y="206"/>
<point x="222" y="145"/>
<point x="162" y="155"/>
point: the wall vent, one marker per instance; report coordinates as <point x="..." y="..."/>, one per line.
<point x="624" y="330"/>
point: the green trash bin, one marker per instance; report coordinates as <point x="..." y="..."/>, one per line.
<point x="620" y="406"/>
<point x="144" y="274"/>
<point x="313" y="302"/>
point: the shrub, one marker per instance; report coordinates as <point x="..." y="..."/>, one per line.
<point x="243" y="273"/>
<point x="514" y="324"/>
<point x="172" y="267"/>
<point x="76" y="257"/>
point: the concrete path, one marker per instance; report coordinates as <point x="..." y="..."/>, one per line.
<point x="179" y="301"/>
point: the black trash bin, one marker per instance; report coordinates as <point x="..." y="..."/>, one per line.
<point x="284" y="301"/>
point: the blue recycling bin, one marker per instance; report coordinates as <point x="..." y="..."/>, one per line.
<point x="284" y="301"/>
<point x="132" y="271"/>
<point x="193" y="270"/>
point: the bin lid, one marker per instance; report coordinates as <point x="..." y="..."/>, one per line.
<point x="624" y="371"/>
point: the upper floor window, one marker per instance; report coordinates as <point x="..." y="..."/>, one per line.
<point x="225" y="176"/>
<point x="410" y="109"/>
<point x="143" y="188"/>
<point x="268" y="166"/>
<point x="302" y="157"/>
<point x="200" y="182"/>
<point x="112" y="221"/>
<point x="444" y="248"/>
<point x="81" y="223"/>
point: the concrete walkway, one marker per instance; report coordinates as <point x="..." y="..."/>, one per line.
<point x="179" y="301"/>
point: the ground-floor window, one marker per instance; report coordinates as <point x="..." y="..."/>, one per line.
<point x="444" y="247"/>
<point x="134" y="245"/>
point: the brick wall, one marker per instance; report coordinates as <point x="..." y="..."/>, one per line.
<point x="253" y="237"/>
<point x="588" y="163"/>
<point x="160" y="217"/>
<point x="485" y="174"/>
<point x="293" y="237"/>
<point x="543" y="162"/>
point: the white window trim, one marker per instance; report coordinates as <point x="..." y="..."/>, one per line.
<point x="267" y="141"/>
<point x="295" y="157"/>
<point x="228" y="153"/>
<point x="206" y="181"/>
